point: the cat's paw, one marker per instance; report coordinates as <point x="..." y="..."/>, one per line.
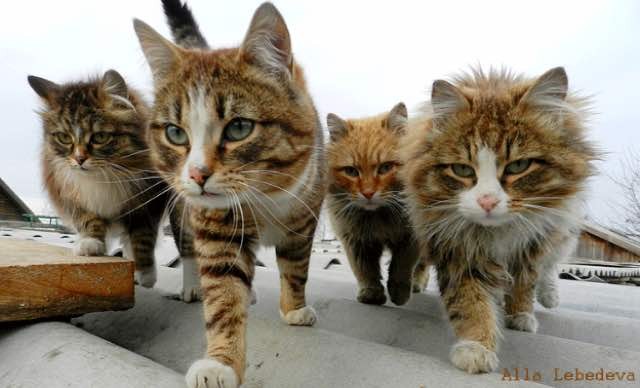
<point x="548" y="297"/>
<point x="473" y="357"/>
<point x="146" y="277"/>
<point x="305" y="316"/>
<point x="399" y="292"/>
<point x="372" y="295"/>
<point x="522" y="322"/>
<point x="89" y="246"/>
<point x="210" y="373"/>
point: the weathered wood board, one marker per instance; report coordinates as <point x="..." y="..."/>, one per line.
<point x="39" y="280"/>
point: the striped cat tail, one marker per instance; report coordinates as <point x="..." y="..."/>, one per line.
<point x="184" y="28"/>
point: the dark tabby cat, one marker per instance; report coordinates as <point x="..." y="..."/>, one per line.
<point x="96" y="166"/>
<point x="366" y="205"/>
<point x="235" y="132"/>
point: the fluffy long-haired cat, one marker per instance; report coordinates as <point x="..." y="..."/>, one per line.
<point x="96" y="165"/>
<point x="236" y="134"/>
<point x="366" y="205"/>
<point x="495" y="172"/>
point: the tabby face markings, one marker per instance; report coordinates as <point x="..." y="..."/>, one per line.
<point x="486" y="202"/>
<point x="362" y="156"/>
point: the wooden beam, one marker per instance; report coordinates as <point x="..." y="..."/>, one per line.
<point x="39" y="280"/>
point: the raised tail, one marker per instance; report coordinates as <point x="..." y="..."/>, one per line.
<point x="184" y="28"/>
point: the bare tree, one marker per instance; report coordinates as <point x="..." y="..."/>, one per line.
<point x="629" y="183"/>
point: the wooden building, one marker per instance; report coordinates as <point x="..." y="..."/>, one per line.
<point x="598" y="243"/>
<point x="11" y="206"/>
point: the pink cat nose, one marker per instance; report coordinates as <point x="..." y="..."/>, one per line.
<point x="199" y="174"/>
<point x="80" y="159"/>
<point x="488" y="202"/>
<point x="368" y="194"/>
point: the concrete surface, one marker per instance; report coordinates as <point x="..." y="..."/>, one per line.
<point x="55" y="354"/>
<point x="353" y="345"/>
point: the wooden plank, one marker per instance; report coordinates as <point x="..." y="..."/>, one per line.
<point x="39" y="280"/>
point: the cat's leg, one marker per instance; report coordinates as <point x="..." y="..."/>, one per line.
<point x="190" y="290"/>
<point x="519" y="298"/>
<point x="293" y="264"/>
<point x="226" y="263"/>
<point x="364" y="259"/>
<point x="547" y="285"/>
<point x="91" y="234"/>
<point x="421" y="275"/>
<point x="403" y="262"/>
<point x="143" y="234"/>
<point x="474" y="314"/>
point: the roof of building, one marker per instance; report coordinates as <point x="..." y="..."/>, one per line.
<point x="612" y="237"/>
<point x="13" y="197"/>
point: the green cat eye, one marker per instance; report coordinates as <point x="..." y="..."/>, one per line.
<point x="238" y="129"/>
<point x="101" y="138"/>
<point x="518" y="166"/>
<point x="176" y="135"/>
<point x="463" y="170"/>
<point x="351" y="171"/>
<point x="385" y="168"/>
<point x="63" y="138"/>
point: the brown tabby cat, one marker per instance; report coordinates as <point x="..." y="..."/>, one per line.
<point x="495" y="173"/>
<point x="236" y="133"/>
<point x="96" y="166"/>
<point x="366" y="206"/>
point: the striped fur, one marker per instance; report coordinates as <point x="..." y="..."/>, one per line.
<point x="493" y="228"/>
<point x="96" y="166"/>
<point x="366" y="205"/>
<point x="184" y="28"/>
<point x="263" y="188"/>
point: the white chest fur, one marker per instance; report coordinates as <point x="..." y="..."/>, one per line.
<point x="98" y="194"/>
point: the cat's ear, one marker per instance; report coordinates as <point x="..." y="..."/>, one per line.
<point x="114" y="84"/>
<point x="161" y="54"/>
<point x="550" y="87"/>
<point x="267" y="43"/>
<point x="446" y="99"/>
<point x="398" y="116"/>
<point x="46" y="89"/>
<point x="337" y="126"/>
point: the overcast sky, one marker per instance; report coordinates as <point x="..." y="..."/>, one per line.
<point x="360" y="58"/>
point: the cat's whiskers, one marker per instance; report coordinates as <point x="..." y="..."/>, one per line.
<point x="288" y="192"/>
<point x="254" y="193"/>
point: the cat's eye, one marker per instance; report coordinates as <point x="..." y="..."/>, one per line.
<point x="176" y="135"/>
<point x="351" y="171"/>
<point x="385" y="168"/>
<point x="63" y="138"/>
<point x="463" y="170"/>
<point x="238" y="129"/>
<point x="101" y="138"/>
<point x="517" y="167"/>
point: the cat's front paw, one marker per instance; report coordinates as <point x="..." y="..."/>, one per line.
<point x="399" y="292"/>
<point x="305" y="316"/>
<point x="210" y="373"/>
<point x="89" y="246"/>
<point x="548" y="297"/>
<point x="372" y="295"/>
<point x="473" y="357"/>
<point x="522" y="322"/>
<point x="146" y="277"/>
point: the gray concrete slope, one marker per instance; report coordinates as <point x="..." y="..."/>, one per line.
<point x="172" y="333"/>
<point x="55" y="354"/>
